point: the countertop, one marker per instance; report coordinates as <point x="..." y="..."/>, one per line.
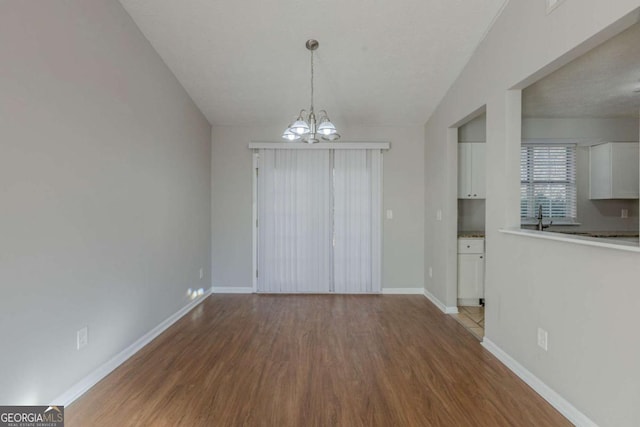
<point x="602" y="234"/>
<point x="596" y="234"/>
<point x="471" y="235"/>
<point x="618" y="243"/>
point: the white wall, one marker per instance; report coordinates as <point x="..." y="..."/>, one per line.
<point x="474" y="130"/>
<point x="586" y="128"/>
<point x="104" y="192"/>
<point x="583" y="296"/>
<point x="403" y="187"/>
<point x="471" y="215"/>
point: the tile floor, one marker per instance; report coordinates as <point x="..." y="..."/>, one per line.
<point x="471" y="318"/>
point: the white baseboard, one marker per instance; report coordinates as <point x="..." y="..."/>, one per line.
<point x="82" y="386"/>
<point x="440" y="304"/>
<point x="402" y="291"/>
<point x="249" y="290"/>
<point x="232" y="290"/>
<point x="560" y="403"/>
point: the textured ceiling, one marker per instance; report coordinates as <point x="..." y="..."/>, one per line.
<point x="600" y="83"/>
<point x="379" y="62"/>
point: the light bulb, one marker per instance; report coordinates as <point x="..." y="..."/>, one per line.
<point x="290" y="136"/>
<point x="300" y="127"/>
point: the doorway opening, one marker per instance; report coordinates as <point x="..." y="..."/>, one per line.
<point x="471" y="223"/>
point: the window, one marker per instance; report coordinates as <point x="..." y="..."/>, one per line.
<point x="548" y="179"/>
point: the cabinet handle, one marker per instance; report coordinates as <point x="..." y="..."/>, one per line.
<point x="481" y="257"/>
<point x="468" y="246"/>
<point x="475" y="195"/>
<point x="468" y="195"/>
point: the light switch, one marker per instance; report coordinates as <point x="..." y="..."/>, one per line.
<point x="82" y="338"/>
<point x="543" y="339"/>
<point x="439" y="215"/>
<point x="389" y="214"/>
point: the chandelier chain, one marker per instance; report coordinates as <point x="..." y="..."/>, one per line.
<point x="312" y="81"/>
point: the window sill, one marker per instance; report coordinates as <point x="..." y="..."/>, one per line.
<point x="579" y="240"/>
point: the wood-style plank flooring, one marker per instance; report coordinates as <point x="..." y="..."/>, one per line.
<point x="313" y="360"/>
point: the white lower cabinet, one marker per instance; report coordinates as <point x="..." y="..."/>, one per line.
<point x="470" y="271"/>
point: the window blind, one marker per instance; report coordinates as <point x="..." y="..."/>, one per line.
<point x="548" y="179"/>
<point x="319" y="220"/>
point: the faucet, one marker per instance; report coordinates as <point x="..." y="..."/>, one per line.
<point x="540" y="226"/>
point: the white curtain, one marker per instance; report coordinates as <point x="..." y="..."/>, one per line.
<point x="319" y="222"/>
<point x="356" y="253"/>
<point x="294" y="222"/>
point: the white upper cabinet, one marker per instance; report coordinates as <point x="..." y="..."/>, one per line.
<point x="613" y="171"/>
<point x="471" y="170"/>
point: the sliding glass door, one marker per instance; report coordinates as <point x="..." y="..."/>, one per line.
<point x="357" y="234"/>
<point x="318" y="220"/>
<point x="294" y="221"/>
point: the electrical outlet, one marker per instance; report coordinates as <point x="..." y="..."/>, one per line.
<point x="389" y="214"/>
<point x="543" y="339"/>
<point x="82" y="338"/>
<point x="439" y="215"/>
<point x="624" y="213"/>
<point x="201" y="274"/>
<point x="430" y="271"/>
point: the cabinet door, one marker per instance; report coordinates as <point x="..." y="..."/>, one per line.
<point x="624" y="170"/>
<point x="470" y="276"/>
<point x="478" y="175"/>
<point x="464" y="171"/>
<point x="613" y="171"/>
<point x="600" y="182"/>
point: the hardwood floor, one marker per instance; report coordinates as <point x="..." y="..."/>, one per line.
<point x="313" y="360"/>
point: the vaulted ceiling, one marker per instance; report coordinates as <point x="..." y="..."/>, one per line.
<point x="380" y="62"/>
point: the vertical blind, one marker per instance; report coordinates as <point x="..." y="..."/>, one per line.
<point x="319" y="221"/>
<point x="548" y="179"/>
<point x="356" y="220"/>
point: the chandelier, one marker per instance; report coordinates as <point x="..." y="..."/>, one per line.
<point x="305" y="126"/>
